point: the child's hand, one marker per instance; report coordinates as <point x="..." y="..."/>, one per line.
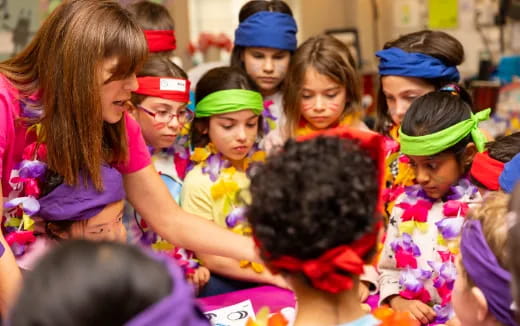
<point x="199" y="278"/>
<point x="280" y="282"/>
<point x="363" y="291"/>
<point x="420" y="311"/>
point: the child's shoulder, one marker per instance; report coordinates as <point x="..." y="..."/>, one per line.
<point x="196" y="176"/>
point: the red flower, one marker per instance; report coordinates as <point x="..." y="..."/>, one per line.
<point x="415" y="212"/>
<point x="405" y="259"/>
<point x="455" y="208"/>
<point x="423" y="295"/>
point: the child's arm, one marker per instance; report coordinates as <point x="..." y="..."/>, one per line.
<point x="230" y="268"/>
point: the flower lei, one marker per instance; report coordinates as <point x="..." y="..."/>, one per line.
<point x="269" y="120"/>
<point x="416" y="208"/>
<point x="399" y="173"/>
<point x="304" y="127"/>
<point x="226" y="189"/>
<point x="390" y="317"/>
<point x="25" y="183"/>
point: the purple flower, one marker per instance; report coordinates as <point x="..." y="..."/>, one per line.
<point x="180" y="147"/>
<point x="18" y="249"/>
<point x="410" y="281"/>
<point x="29" y="204"/>
<point x="236" y="216"/>
<point x="31" y="169"/>
<point x="464" y="187"/>
<point x="407" y="244"/>
<point x="448" y="272"/>
<point x="30" y="111"/>
<point x="443" y="313"/>
<point x="450" y="227"/>
<point x="214" y="164"/>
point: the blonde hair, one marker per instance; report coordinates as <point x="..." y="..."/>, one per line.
<point x="329" y="57"/>
<point x="64" y="61"/>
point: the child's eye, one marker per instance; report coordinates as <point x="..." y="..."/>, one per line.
<point x="279" y="57"/>
<point x="227" y="127"/>
<point x="411" y="98"/>
<point x="258" y="55"/>
<point x="98" y="231"/>
<point x="306" y="96"/>
<point x="251" y="125"/>
<point x="332" y="95"/>
<point x="432" y="166"/>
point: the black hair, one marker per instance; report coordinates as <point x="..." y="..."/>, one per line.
<point x="504" y="148"/>
<point x="217" y="79"/>
<point x="84" y="283"/>
<point x="437" y="111"/>
<point x="249" y="9"/>
<point x="313" y="196"/>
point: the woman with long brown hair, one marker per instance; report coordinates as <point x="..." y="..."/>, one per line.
<point x="72" y="82"/>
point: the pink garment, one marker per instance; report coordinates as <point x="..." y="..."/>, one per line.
<point x="265" y="296"/>
<point x="13" y="140"/>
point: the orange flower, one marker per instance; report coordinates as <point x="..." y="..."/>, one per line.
<point x="389" y="317"/>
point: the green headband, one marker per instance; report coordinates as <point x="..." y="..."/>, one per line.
<point x="437" y="142"/>
<point x="230" y="100"/>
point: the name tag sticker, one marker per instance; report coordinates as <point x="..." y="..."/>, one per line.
<point x="168" y="84"/>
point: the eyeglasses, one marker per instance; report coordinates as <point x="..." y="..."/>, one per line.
<point x="183" y="115"/>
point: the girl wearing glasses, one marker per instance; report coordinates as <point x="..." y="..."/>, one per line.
<point x="160" y="108"/>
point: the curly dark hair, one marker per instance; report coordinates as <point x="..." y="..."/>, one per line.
<point x="504" y="148"/>
<point x="313" y="196"/>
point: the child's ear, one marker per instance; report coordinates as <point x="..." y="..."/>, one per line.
<point x="469" y="154"/>
<point x="481" y="303"/>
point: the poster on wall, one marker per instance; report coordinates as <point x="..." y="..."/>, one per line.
<point x="443" y="14"/>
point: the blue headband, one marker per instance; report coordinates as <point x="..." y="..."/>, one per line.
<point x="397" y="62"/>
<point x="267" y="29"/>
<point x="511" y="174"/>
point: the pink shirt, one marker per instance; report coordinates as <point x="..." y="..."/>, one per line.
<point x="13" y="139"/>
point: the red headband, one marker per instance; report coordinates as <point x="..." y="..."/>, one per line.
<point x="486" y="170"/>
<point x="327" y="271"/>
<point x="159" y="41"/>
<point x="175" y="89"/>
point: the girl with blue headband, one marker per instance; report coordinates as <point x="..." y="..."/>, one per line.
<point x="323" y="89"/>
<point x="440" y="136"/>
<point x="410" y="66"/>
<point x="264" y="42"/>
<point x="482" y="291"/>
<point x="225" y="135"/>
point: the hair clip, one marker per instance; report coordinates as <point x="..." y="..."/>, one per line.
<point x="453" y="89"/>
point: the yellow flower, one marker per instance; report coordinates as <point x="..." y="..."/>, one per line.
<point x="224" y="188"/>
<point x="28" y="222"/>
<point x="228" y="171"/>
<point x="258" y="268"/>
<point x="162" y="245"/>
<point x="199" y="154"/>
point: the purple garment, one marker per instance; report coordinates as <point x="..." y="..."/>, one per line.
<point x="81" y="202"/>
<point x="484" y="270"/>
<point x="178" y="308"/>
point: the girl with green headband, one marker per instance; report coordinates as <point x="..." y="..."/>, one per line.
<point x="439" y="136"/>
<point x="225" y="136"/>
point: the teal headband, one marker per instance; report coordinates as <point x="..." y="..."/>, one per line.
<point x="437" y="142"/>
<point x="230" y="100"/>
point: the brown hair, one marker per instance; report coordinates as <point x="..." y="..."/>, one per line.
<point x="248" y="9"/>
<point x="158" y="66"/>
<point x="492" y="215"/>
<point x="436" y="44"/>
<point x="217" y="79"/>
<point x="329" y="57"/>
<point x="63" y="62"/>
<point x="154" y="17"/>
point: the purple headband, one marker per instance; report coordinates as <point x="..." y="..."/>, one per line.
<point x="178" y="308"/>
<point x="484" y="270"/>
<point x="81" y="202"/>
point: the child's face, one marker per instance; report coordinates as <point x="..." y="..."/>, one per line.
<point x="233" y="134"/>
<point x="463" y="298"/>
<point x="400" y="92"/>
<point x="323" y="100"/>
<point x="266" y="67"/>
<point x="160" y="134"/>
<point x="437" y="173"/>
<point x="115" y="93"/>
<point x="106" y="225"/>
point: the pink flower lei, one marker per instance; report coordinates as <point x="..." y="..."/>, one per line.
<point x="416" y="208"/>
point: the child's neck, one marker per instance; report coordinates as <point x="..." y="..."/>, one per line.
<point x="316" y="307"/>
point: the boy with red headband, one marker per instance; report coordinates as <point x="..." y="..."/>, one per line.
<point x="315" y="214"/>
<point x="487" y="167"/>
